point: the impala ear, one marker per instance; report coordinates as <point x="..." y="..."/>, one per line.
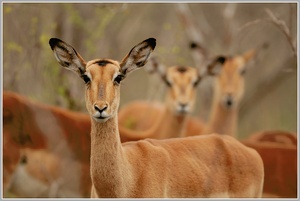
<point x="67" y="56"/>
<point x="138" y="56"/>
<point x="154" y="66"/>
<point x="215" y="66"/>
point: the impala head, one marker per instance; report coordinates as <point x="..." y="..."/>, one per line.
<point x="229" y="73"/>
<point x="182" y="82"/>
<point x="102" y="76"/>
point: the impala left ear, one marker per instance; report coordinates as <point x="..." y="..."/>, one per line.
<point x="138" y="56"/>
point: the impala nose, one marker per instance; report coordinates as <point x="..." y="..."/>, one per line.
<point x="100" y="108"/>
<point x="182" y="105"/>
<point x="183" y="108"/>
<point x="229" y="101"/>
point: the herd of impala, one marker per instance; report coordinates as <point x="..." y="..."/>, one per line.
<point x="52" y="152"/>
<point x="145" y="149"/>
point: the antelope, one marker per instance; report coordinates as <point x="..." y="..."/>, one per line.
<point x="182" y="82"/>
<point x="228" y="73"/>
<point x="228" y="92"/>
<point x="200" y="166"/>
<point x="180" y="77"/>
<point x="278" y="149"/>
<point x="46" y="149"/>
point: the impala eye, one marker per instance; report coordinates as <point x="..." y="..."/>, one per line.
<point x="119" y="78"/>
<point x="195" y="84"/>
<point x="243" y="71"/>
<point x="168" y="83"/>
<point x="86" y="78"/>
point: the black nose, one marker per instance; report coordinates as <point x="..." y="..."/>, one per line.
<point x="100" y="109"/>
<point x="183" y="105"/>
<point x="229" y="102"/>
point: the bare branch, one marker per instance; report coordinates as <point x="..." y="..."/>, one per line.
<point x="191" y="31"/>
<point x="195" y="37"/>
<point x="279" y="23"/>
<point x="251" y="23"/>
<point x="283" y="27"/>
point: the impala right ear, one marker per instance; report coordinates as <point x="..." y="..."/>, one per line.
<point x="67" y="56"/>
<point x="138" y="56"/>
<point x="215" y="66"/>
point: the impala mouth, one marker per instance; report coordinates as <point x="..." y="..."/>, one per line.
<point x="182" y="110"/>
<point x="101" y="117"/>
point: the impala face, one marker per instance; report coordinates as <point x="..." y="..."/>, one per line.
<point x="229" y="73"/>
<point x="230" y="82"/>
<point x="102" y="76"/>
<point x="182" y="82"/>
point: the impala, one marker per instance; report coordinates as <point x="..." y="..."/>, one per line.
<point x="228" y="73"/>
<point x="169" y="121"/>
<point x="278" y="149"/>
<point x="229" y="88"/>
<point x="46" y="149"/>
<point x="200" y="166"/>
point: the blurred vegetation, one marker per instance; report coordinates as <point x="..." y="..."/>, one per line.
<point x="110" y="30"/>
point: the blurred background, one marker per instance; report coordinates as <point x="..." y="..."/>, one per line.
<point x="110" y="30"/>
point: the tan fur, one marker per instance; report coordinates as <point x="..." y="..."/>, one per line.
<point x="59" y="153"/>
<point x="278" y="150"/>
<point x="201" y="166"/>
<point x="170" y="122"/>
<point x="228" y="86"/>
<point x="45" y="175"/>
<point x="223" y="119"/>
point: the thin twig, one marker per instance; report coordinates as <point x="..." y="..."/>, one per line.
<point x="251" y="23"/>
<point x="278" y="23"/>
<point x="282" y="27"/>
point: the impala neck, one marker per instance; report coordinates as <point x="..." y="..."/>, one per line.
<point x="108" y="171"/>
<point x="172" y="125"/>
<point x="223" y="120"/>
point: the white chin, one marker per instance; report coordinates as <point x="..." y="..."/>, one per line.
<point x="100" y="120"/>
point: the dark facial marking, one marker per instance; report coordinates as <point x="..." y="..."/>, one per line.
<point x="103" y="62"/>
<point x="181" y="69"/>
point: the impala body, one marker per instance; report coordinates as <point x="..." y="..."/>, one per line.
<point x="46" y="149"/>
